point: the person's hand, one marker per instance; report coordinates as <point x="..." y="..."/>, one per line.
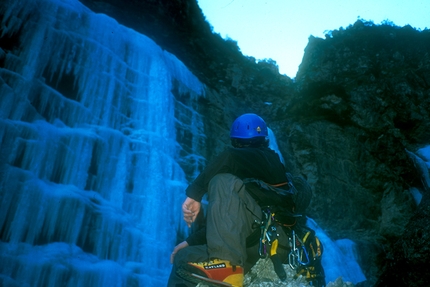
<point x="178" y="247"/>
<point x="190" y="209"/>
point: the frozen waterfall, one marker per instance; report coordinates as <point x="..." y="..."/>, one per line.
<point x="90" y="113"/>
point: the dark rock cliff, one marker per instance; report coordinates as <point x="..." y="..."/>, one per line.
<point x="360" y="98"/>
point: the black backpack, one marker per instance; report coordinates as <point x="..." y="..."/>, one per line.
<point x="288" y="200"/>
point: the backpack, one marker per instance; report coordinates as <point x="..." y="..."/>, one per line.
<point x="288" y="200"/>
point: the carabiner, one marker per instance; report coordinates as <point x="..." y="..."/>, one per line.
<point x="293" y="256"/>
<point x="307" y="257"/>
<point x="292" y="260"/>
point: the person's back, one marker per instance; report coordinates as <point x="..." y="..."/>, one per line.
<point x="244" y="162"/>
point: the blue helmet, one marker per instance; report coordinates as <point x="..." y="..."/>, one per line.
<point x="248" y="126"/>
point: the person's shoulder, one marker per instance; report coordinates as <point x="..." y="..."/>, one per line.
<point x="232" y="151"/>
<point x="248" y="150"/>
<point x="228" y="151"/>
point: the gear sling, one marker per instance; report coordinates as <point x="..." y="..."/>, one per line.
<point x="282" y="207"/>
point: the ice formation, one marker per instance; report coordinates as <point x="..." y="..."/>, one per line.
<point x="90" y="112"/>
<point x="339" y="257"/>
<point x="422" y="163"/>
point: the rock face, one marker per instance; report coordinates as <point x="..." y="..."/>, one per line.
<point x="363" y="99"/>
<point x="359" y="104"/>
<point x="360" y="98"/>
<point x="409" y="256"/>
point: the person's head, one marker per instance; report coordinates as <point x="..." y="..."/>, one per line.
<point x="249" y="130"/>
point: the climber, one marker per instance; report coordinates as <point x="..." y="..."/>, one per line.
<point x="218" y="252"/>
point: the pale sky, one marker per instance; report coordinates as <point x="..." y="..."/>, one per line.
<point x="279" y="29"/>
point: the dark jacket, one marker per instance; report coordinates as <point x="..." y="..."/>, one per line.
<point x="260" y="163"/>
